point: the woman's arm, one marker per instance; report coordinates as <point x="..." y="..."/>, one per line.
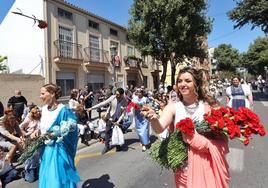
<point x="167" y="117"/>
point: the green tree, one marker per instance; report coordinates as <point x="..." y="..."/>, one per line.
<point x="227" y="57"/>
<point x="162" y="27"/>
<point x="254" y="12"/>
<point x="2" y="58"/>
<point x="257" y="56"/>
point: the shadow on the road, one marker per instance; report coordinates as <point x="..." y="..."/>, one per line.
<point x="128" y="142"/>
<point x="101" y="182"/>
<point x="258" y="96"/>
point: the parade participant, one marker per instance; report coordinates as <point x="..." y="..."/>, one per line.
<point x="17" y="102"/>
<point x="206" y="165"/>
<point x="114" y="114"/>
<point x="239" y="95"/>
<point x="141" y="123"/>
<point x="57" y="167"/>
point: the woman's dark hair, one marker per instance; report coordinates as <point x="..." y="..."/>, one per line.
<point x="53" y="89"/>
<point x="198" y="82"/>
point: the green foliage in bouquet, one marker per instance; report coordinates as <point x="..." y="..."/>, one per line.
<point x="170" y="153"/>
<point x="31" y="148"/>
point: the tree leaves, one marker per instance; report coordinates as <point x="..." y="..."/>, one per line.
<point x="160" y="27"/>
<point x="254" y="12"/>
<point x="227" y="57"/>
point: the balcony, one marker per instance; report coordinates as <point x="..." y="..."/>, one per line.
<point x="96" y="57"/>
<point x="132" y="63"/>
<point x="68" y="52"/>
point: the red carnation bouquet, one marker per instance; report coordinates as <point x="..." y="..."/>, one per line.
<point x="133" y="105"/>
<point x="171" y="153"/>
<point x="241" y="124"/>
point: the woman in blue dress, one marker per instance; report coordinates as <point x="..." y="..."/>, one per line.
<point x="57" y="167"/>
<point x="142" y="124"/>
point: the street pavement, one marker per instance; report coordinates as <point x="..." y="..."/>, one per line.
<point x="132" y="168"/>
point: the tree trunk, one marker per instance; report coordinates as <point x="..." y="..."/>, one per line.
<point x="173" y="72"/>
<point x="164" y="74"/>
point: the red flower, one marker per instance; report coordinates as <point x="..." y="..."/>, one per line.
<point x="42" y="24"/>
<point x="261" y="131"/>
<point x="246" y="141"/>
<point x="186" y="126"/>
<point x="133" y="105"/>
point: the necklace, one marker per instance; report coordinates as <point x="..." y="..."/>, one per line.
<point x="53" y="107"/>
<point x="190" y="109"/>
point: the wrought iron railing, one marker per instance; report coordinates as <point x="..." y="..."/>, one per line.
<point x="96" y="55"/>
<point x="68" y="49"/>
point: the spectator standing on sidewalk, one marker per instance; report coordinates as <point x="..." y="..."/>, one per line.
<point x="17" y="103"/>
<point x="114" y="114"/>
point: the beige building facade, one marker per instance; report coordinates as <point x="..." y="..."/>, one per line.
<point x="84" y="49"/>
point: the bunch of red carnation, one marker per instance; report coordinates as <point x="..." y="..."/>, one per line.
<point x="241" y="124"/>
<point x="133" y="105"/>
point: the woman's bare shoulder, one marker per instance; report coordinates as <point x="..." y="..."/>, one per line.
<point x="207" y="107"/>
<point x="171" y="108"/>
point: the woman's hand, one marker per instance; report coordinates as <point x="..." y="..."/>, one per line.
<point x="149" y="113"/>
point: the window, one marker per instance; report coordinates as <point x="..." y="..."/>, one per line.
<point x="93" y="24"/>
<point x="65" y="14"/>
<point x="66" y="80"/>
<point x="66" y="39"/>
<point x="94" y="45"/>
<point x="130" y="51"/>
<point x="95" y="81"/>
<point x="114" y="48"/>
<point x="113" y="32"/>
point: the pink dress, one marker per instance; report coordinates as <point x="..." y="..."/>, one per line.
<point x="207" y="166"/>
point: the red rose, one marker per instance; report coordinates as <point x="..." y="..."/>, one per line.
<point x="186" y="126"/>
<point x="42" y="24"/>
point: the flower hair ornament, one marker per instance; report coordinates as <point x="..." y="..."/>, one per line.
<point x="41" y="23"/>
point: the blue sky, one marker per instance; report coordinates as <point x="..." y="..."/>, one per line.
<point x="118" y="12"/>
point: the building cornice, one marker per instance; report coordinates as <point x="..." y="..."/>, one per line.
<point x="78" y="9"/>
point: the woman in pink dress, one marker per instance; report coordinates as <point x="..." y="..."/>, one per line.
<point x="207" y="166"/>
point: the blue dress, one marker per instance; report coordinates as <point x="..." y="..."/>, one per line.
<point x="57" y="167"/>
<point x="238" y="97"/>
<point x="141" y="123"/>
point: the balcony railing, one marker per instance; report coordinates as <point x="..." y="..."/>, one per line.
<point x="95" y="55"/>
<point x="132" y="61"/>
<point x="68" y="50"/>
